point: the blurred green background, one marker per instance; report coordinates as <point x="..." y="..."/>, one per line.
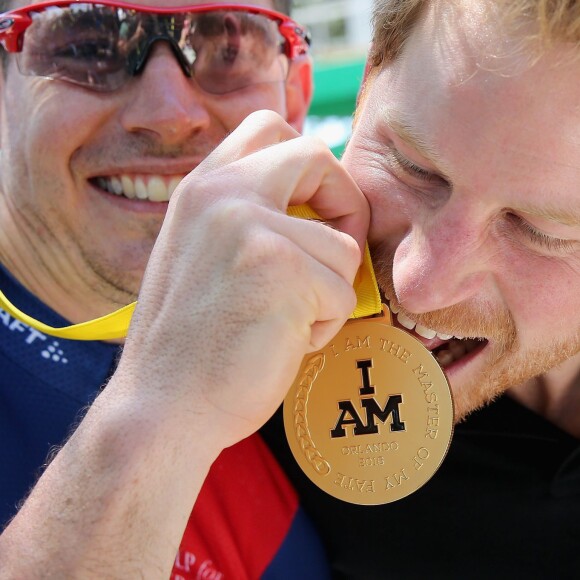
<point x="336" y="85"/>
<point x="340" y="32"/>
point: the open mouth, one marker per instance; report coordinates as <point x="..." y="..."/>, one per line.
<point x="447" y="349"/>
<point x="156" y="188"/>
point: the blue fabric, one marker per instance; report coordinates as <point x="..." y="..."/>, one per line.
<point x="45" y="383"/>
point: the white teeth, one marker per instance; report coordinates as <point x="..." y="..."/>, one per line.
<point x="425" y="332"/>
<point x="116" y="185"/>
<point x="421" y="330"/>
<point x="156" y="189"/>
<point x="128" y="187"/>
<point x="452" y="349"/>
<point x="405" y="321"/>
<point x="140" y="189"/>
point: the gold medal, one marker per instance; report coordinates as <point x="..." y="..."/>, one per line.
<point x="369" y="418"/>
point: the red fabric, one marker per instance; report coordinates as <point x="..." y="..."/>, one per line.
<point x="241" y="517"/>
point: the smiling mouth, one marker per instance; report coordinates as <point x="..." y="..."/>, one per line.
<point x="150" y="187"/>
<point x="447" y="349"/>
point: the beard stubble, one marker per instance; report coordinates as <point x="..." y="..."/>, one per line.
<point x="507" y="363"/>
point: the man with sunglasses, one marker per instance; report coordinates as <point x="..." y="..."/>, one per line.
<point x="106" y="107"/>
<point x="466" y="147"/>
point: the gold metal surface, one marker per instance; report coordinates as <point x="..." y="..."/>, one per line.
<point x="369" y="418"/>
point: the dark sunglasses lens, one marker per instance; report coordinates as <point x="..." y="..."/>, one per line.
<point x="82" y="44"/>
<point x="230" y="51"/>
<point x="101" y="47"/>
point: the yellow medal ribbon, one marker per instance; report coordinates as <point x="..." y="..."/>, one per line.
<point x="116" y="324"/>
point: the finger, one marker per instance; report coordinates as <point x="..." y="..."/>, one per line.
<point x="330" y="247"/>
<point x="322" y="332"/>
<point x="303" y="170"/>
<point x="323" y="300"/>
<point x="336" y="302"/>
<point x="257" y="131"/>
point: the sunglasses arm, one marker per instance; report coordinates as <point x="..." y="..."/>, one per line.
<point x="298" y="40"/>
<point x="11" y="28"/>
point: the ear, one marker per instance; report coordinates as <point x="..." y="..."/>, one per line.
<point x="299" y="87"/>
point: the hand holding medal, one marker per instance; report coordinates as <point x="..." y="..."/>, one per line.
<point x="369" y="418"/>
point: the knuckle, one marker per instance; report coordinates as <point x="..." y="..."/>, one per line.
<point x="317" y="146"/>
<point x="216" y="219"/>
<point x="268" y="251"/>
<point x="233" y="213"/>
<point x="264" y="119"/>
<point x="194" y="191"/>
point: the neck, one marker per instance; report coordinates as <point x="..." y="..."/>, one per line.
<point x="554" y="395"/>
<point x="72" y="290"/>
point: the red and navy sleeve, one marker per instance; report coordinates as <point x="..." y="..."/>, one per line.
<point x="248" y="524"/>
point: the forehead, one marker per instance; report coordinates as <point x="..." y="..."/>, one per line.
<point x="470" y="87"/>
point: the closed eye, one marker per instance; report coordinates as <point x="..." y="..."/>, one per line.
<point x="400" y="163"/>
<point x="540" y="238"/>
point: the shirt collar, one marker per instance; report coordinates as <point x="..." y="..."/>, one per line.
<point x="77" y="368"/>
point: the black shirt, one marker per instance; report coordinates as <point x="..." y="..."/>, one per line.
<point x="505" y="504"/>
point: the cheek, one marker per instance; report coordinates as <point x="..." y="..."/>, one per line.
<point x="30" y="137"/>
<point x="45" y="121"/>
<point x="557" y="301"/>
<point x="233" y="109"/>
<point x="542" y="295"/>
<point x="390" y="205"/>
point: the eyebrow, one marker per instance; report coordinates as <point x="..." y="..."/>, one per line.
<point x="404" y="129"/>
<point x="566" y="216"/>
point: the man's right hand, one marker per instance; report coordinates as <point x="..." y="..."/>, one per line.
<point x="237" y="292"/>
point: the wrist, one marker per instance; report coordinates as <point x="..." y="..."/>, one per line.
<point x="139" y="478"/>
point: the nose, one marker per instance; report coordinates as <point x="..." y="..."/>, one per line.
<point x="164" y="101"/>
<point x="442" y="260"/>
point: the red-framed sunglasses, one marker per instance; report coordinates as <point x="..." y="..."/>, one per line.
<point x="102" y="45"/>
